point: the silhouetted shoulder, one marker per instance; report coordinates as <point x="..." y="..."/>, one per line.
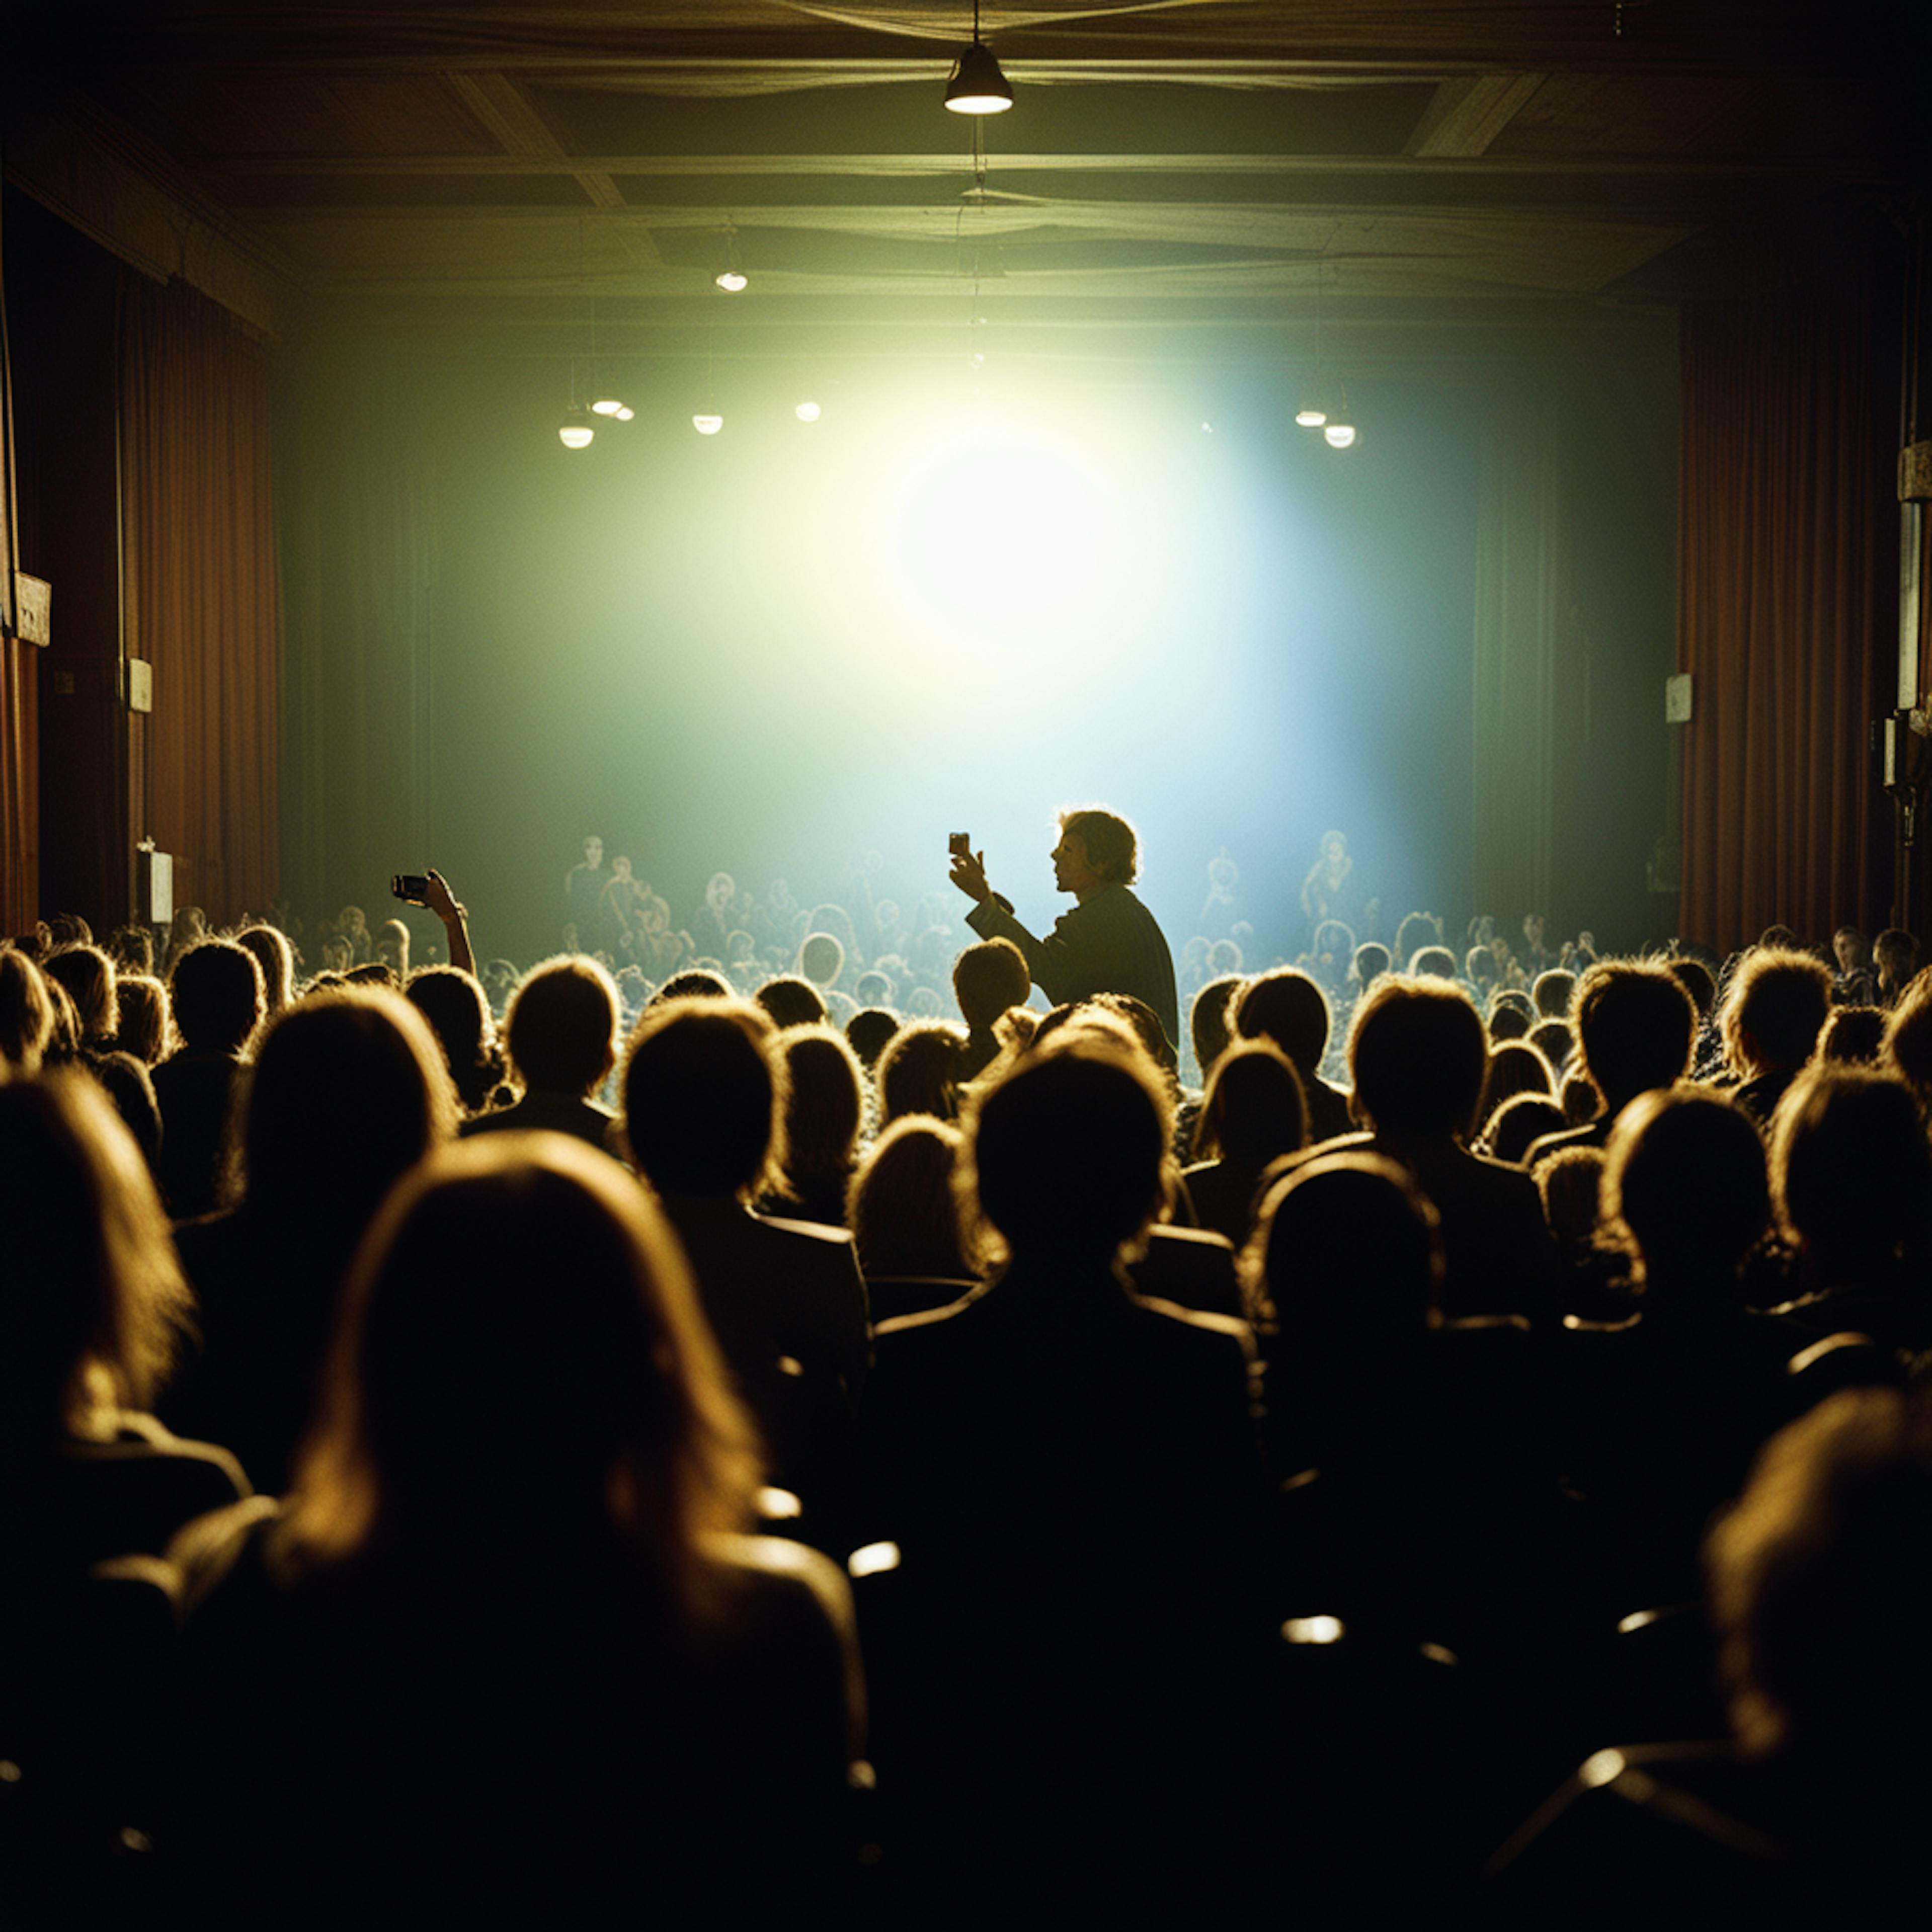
<point x="930" y="1318"/>
<point x="784" y="1566"/>
<point x="816" y="1231"/>
<point x="1223" y="1325"/>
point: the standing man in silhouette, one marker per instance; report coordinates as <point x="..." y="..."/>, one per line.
<point x="1109" y="942"/>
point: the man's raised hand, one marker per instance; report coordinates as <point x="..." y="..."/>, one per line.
<point x="969" y="874"/>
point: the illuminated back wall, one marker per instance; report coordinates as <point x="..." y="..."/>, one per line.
<point x="955" y="602"/>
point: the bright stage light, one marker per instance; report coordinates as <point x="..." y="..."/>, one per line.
<point x="705" y="424"/>
<point x="1339" y="436"/>
<point x="998" y="534"/>
<point x="807" y="413"/>
<point x="730" y="281"/>
<point x="607" y="406"/>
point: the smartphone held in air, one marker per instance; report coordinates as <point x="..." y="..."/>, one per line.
<point x="960" y="845"/>
<point x="412" y="888"/>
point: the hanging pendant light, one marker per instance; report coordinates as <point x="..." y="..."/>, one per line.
<point x="1339" y="433"/>
<point x="707" y="422"/>
<point x="577" y="429"/>
<point x="976" y="86"/>
<point x="730" y="276"/>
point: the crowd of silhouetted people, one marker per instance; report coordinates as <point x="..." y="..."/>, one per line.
<point x="780" y="1423"/>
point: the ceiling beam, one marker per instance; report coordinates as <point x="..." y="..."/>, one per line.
<point x="1437" y="166"/>
<point x="1465" y="116"/>
<point x="504" y="110"/>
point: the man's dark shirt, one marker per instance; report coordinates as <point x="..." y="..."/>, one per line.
<point x="1109" y="942"/>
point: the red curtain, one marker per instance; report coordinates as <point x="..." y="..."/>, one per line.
<point x="202" y="601"/>
<point x="1787" y="601"/>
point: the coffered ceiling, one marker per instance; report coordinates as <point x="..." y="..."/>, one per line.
<point x="1216" y="167"/>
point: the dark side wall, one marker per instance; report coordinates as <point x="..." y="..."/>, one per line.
<point x="61" y="295"/>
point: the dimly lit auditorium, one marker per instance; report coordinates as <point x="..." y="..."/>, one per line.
<point x="960" y="964"/>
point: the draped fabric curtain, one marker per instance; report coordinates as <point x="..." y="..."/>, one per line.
<point x="20" y="672"/>
<point x="1787" y="587"/>
<point x="201" y="597"/>
<point x="1520" y="574"/>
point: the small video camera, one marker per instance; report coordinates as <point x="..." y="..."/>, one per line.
<point x="412" y="888"/>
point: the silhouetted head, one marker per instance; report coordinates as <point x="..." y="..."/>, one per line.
<point x="89" y="977"/>
<point x="392" y="947"/>
<point x="1146" y="1026"/>
<point x="1370" y="962"/>
<point x="216" y="988"/>
<point x="1254" y="1109"/>
<point x="522" y="1365"/>
<point x="1853" y="1035"/>
<point x="1774" y="1009"/>
<point x="26" y="1012"/>
<point x="1210" y="1019"/>
<point x="457" y="1010"/>
<point x="918" y="1071"/>
<point x="1113" y="850"/>
<point x="869" y="1032"/>
<point x="1571" y="1184"/>
<point x="1822" y="1597"/>
<point x="94" y="1303"/>
<point x="1515" y="1067"/>
<point x="791" y="1001"/>
<point x="1555" y="1041"/>
<point x="875" y="988"/>
<point x="704" y="1097"/>
<point x="1552" y="991"/>
<point x="1065" y="1153"/>
<point x="1433" y="962"/>
<point x="1851" y="1171"/>
<point x="1288" y="1008"/>
<point x="1417" y="1052"/>
<point x="1694" y="976"/>
<point x="821" y="959"/>
<point x="1908" y="1037"/>
<point x="1684" y="1175"/>
<point x="1518" y="1124"/>
<point x="141" y="1002"/>
<point x="132" y="948"/>
<point x="1507" y="1023"/>
<point x="1345" y="1259"/>
<point x="561" y="1026"/>
<point x="698" y="983"/>
<point x="277" y="959"/>
<point x="824" y="1106"/>
<point x="349" y="1090"/>
<point x="903" y="1206"/>
<point x="1635" y="1028"/>
<point x="989" y="978"/>
<point x="1895" y="954"/>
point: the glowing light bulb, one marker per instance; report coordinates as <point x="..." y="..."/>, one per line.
<point x="730" y="281"/>
<point x="1339" y="435"/>
<point x="707" y="423"/>
<point x="576" y="430"/>
<point x="626" y="414"/>
<point x="1310" y="417"/>
<point x="807" y="413"/>
<point x="607" y="406"/>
